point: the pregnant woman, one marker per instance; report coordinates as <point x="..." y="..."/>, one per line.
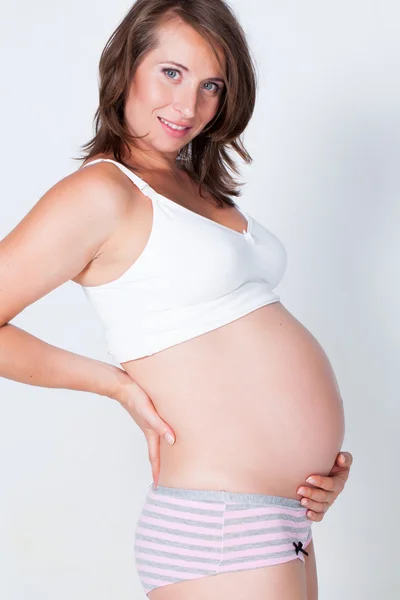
<point x="183" y="281"/>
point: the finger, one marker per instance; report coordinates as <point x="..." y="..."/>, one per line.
<point x="313" y="516"/>
<point x="319" y="495"/>
<point x="344" y="459"/>
<point x="325" y="483"/>
<point x="169" y="437"/>
<point x="318" y="507"/>
<point x="158" y="426"/>
<point x="164" y="431"/>
<point x="153" y="443"/>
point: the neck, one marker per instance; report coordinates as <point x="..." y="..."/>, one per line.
<point x="149" y="160"/>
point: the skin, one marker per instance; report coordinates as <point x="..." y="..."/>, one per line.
<point x="159" y="88"/>
<point x="190" y="97"/>
<point x="65" y="230"/>
<point x="319" y="496"/>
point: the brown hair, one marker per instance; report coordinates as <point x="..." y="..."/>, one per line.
<point x="205" y="158"/>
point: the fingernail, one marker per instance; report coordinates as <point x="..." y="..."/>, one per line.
<point x="310" y="480"/>
<point x="169" y="438"/>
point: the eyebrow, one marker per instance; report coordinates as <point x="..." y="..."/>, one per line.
<point x="186" y="69"/>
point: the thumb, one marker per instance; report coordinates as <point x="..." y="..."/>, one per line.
<point x="342" y="464"/>
<point x="346" y="459"/>
<point x="343" y="461"/>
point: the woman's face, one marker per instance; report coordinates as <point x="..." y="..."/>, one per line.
<point x="187" y="95"/>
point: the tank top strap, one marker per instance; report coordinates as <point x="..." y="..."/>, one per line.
<point x="142" y="185"/>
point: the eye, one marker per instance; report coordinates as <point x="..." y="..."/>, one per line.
<point x="170" y="71"/>
<point x="217" y="88"/>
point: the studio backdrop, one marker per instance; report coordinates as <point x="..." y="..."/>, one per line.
<point x="325" y="178"/>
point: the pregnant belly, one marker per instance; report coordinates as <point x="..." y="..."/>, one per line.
<point x="255" y="406"/>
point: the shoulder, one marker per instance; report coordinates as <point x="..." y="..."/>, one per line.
<point x="102" y="190"/>
<point x="96" y="198"/>
<point x="103" y="181"/>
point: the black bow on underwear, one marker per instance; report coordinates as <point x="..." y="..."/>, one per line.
<point x="299" y="548"/>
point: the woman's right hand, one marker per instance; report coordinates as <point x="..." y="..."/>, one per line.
<point x="140" y="407"/>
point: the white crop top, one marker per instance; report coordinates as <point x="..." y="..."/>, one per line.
<point x="193" y="276"/>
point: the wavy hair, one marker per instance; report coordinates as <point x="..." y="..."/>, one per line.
<point x="205" y="158"/>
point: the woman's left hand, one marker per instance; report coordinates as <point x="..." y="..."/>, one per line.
<point x="324" y="491"/>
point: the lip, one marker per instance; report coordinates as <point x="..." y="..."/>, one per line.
<point x="175" y="133"/>
<point x="178" y="124"/>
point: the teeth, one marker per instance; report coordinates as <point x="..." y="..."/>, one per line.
<point x="171" y="125"/>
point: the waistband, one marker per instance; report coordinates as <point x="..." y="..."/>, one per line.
<point x="224" y="496"/>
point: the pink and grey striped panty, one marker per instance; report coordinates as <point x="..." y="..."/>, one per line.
<point x="185" y="534"/>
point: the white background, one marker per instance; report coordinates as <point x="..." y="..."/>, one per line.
<point x="325" y="178"/>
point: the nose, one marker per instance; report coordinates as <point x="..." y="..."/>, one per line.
<point x="185" y="101"/>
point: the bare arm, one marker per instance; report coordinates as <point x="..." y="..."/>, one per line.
<point x="27" y="359"/>
<point x="52" y="244"/>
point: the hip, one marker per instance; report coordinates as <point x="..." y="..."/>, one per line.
<point x="185" y="534"/>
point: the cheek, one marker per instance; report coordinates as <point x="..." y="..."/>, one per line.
<point x="209" y="109"/>
<point x="154" y="93"/>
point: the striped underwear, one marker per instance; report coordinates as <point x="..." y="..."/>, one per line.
<point x="185" y="534"/>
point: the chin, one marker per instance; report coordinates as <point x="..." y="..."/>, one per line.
<point x="169" y="145"/>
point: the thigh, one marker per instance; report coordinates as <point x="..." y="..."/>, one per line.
<point x="286" y="581"/>
<point x="311" y="573"/>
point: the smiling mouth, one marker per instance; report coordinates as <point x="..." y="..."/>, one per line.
<point x="173" y="125"/>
